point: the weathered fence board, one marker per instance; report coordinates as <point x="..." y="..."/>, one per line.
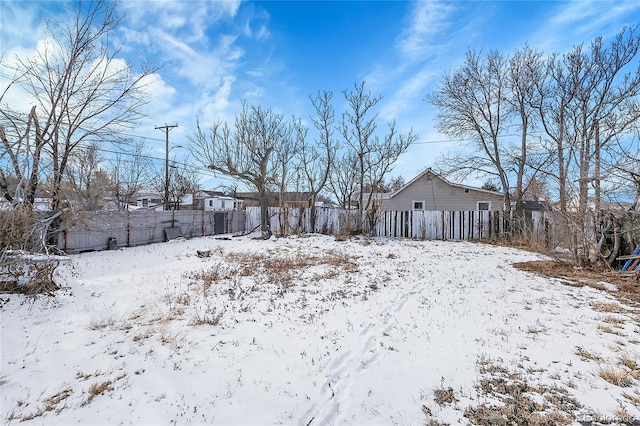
<point x="93" y="230"/>
<point x="417" y="224"/>
<point x="298" y="220"/>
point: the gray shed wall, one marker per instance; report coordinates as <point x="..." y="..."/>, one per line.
<point x="439" y="195"/>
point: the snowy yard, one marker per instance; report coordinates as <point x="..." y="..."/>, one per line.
<point x="314" y="331"/>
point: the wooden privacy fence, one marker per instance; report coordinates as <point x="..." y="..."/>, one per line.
<point x="443" y="225"/>
<point x="298" y="220"/>
<point x="100" y="230"/>
<point x="416" y="224"/>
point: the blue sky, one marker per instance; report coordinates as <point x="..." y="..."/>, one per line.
<point x="215" y="54"/>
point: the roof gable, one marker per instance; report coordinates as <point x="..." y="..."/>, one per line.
<point x="430" y="171"/>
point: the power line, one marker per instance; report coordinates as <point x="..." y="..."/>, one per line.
<point x="188" y="166"/>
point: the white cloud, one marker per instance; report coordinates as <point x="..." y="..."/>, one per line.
<point x="188" y="19"/>
<point x="408" y="94"/>
<point x="160" y="93"/>
<point x="576" y="22"/>
<point x="21" y="24"/>
<point x="429" y="19"/>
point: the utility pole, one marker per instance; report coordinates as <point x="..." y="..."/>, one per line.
<point x="166" y="129"/>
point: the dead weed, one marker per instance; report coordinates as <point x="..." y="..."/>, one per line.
<point x="518" y="401"/>
<point x="592" y="276"/>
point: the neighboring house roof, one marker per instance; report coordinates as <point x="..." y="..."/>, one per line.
<point x="154" y="195"/>
<point x="274" y="196"/>
<point x="376" y="195"/>
<point x="533" y="205"/>
<point x="208" y="194"/>
<point x="436" y="175"/>
<point x="221" y="197"/>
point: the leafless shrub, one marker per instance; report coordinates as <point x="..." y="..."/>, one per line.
<point x="28" y="274"/>
<point x="210" y="277"/>
<point x="211" y="316"/>
<point x="17" y="228"/>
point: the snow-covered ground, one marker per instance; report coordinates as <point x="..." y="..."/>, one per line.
<point x="312" y="331"/>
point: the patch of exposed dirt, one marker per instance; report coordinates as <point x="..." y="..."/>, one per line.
<point x="593" y="276"/>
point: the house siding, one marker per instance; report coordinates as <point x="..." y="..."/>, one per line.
<point x="438" y="194"/>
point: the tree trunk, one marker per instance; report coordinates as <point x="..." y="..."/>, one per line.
<point x="265" y="220"/>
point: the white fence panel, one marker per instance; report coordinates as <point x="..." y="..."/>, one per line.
<point x="424" y="225"/>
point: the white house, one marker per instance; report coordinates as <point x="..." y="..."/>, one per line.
<point x="148" y="200"/>
<point x="154" y="200"/>
<point x="222" y="202"/>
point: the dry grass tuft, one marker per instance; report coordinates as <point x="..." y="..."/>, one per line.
<point x="607" y="329"/>
<point x="247" y="272"/>
<point x="633" y="397"/>
<point x="98" y="389"/>
<point x="50" y="404"/>
<point x="518" y="402"/>
<point x="54" y="400"/>
<point x="211" y="316"/>
<point x="609" y="307"/>
<point x="444" y="395"/>
<point x="586" y="355"/>
<point x="618" y="377"/>
<point x="629" y="361"/>
<point x="209" y="277"/>
<point x="590" y="276"/>
<point x="613" y="320"/>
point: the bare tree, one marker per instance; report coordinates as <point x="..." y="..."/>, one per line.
<point x="343" y="180"/>
<point x="374" y="156"/>
<point x="249" y="153"/>
<point x="317" y="157"/>
<point x="357" y="128"/>
<point x="382" y="156"/>
<point x="586" y="103"/>
<point x="131" y="172"/>
<point x="82" y="94"/>
<point x="86" y="181"/>
<point x="183" y="180"/>
<point x="394" y="184"/>
<point x="606" y="103"/>
<point x="471" y="103"/>
<point x="524" y="70"/>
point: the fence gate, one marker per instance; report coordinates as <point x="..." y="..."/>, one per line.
<point x="219" y="222"/>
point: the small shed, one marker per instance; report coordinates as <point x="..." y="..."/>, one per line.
<point x="430" y="191"/>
